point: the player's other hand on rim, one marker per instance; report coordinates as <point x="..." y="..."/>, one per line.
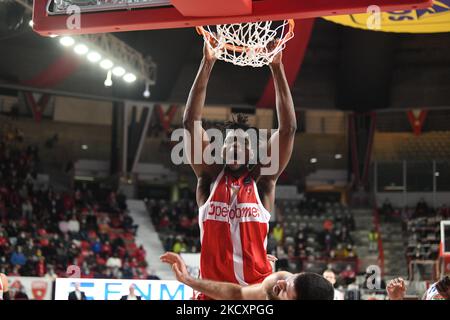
<point x="178" y="266"/>
<point x="396" y="289"/>
<point x="277" y="59"/>
<point x="208" y="52"/>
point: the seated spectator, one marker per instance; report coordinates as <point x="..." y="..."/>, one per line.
<point x="73" y="225"/>
<point x="96" y="246"/>
<point x="444" y="211"/>
<point x="63" y="226"/>
<point x="114" y="262"/>
<point x="18" y="258"/>
<point x="278" y="233"/>
<point x="421" y="208"/>
<point x="373" y="241"/>
<point x="128" y="223"/>
<point x="179" y="246"/>
<point x="348" y="275"/>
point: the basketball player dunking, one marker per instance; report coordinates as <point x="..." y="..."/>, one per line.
<point x="235" y="200"/>
<point x="4" y="288"/>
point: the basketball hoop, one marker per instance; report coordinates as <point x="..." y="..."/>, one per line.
<point x="247" y="44"/>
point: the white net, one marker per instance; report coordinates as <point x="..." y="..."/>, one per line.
<point x="252" y="44"/>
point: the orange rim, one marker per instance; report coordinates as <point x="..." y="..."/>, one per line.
<point x="201" y="31"/>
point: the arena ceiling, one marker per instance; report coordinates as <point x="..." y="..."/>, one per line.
<point x="343" y="68"/>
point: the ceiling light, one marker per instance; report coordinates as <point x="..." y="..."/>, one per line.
<point x="81" y="49"/>
<point x="94" y="57"/>
<point x="108" y="81"/>
<point x="147" y="91"/>
<point x="118" y="71"/>
<point x="129" y="77"/>
<point x="67" y="41"/>
<point x="106" y="64"/>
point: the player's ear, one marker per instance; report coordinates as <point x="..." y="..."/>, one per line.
<point x="282" y="284"/>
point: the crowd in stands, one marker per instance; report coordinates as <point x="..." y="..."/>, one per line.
<point x="421" y="226"/>
<point x="176" y="223"/>
<point x="312" y="235"/>
<point x="308" y="234"/>
<point x="42" y="231"/>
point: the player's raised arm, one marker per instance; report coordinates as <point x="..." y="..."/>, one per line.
<point x="213" y="289"/>
<point x="193" y="113"/>
<point x="287" y="122"/>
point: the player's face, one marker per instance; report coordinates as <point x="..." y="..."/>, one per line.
<point x="236" y="149"/>
<point x="285" y="289"/>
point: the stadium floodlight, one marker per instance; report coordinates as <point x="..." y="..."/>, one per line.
<point x="129" y="77"/>
<point x="94" y="56"/>
<point x="118" y="71"/>
<point x="108" y="81"/>
<point x="81" y="49"/>
<point x="67" y="41"/>
<point x="106" y="64"/>
<point x="147" y="90"/>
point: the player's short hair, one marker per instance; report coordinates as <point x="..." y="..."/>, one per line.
<point x="443" y="286"/>
<point x="312" y="286"/>
<point x="238" y="121"/>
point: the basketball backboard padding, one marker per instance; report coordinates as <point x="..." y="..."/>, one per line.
<point x="168" y="17"/>
<point x="208" y="8"/>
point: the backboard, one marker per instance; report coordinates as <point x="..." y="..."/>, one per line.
<point x="57" y="17"/>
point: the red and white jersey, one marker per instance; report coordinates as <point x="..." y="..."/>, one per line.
<point x="233" y="228"/>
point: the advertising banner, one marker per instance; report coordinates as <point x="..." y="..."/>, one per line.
<point x="34" y="287"/>
<point x="429" y="20"/>
<point x="114" y="289"/>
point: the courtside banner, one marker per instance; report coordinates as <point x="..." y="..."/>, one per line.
<point x="429" y="20"/>
<point x="192" y="261"/>
<point x="112" y="289"/>
<point x="36" y="288"/>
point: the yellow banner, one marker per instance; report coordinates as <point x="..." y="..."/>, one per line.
<point x="430" y="20"/>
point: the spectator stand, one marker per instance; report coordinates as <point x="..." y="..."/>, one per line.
<point x="42" y="231"/>
<point x="311" y="235"/>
